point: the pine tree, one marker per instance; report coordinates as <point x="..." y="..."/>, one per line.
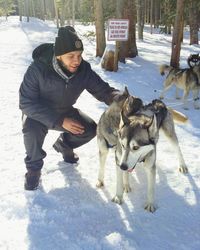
<point x="177" y="34"/>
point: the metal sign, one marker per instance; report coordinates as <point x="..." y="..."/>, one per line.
<point x="118" y="29"/>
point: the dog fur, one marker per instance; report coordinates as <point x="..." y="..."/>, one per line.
<point x="132" y="130"/>
<point x="186" y="79"/>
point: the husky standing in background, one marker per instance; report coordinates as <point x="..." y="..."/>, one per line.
<point x="186" y="79"/>
<point x="193" y="60"/>
<point x="132" y="129"/>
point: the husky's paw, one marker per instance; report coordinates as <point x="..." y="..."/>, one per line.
<point x="99" y="184"/>
<point x="127" y="188"/>
<point x="183" y="170"/>
<point x="150" y="207"/>
<point x="117" y="199"/>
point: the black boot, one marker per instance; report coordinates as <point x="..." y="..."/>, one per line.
<point x="68" y="154"/>
<point x="32" y="179"/>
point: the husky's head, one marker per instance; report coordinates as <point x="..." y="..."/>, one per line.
<point x="138" y="137"/>
<point x="128" y="103"/>
<point x="193" y="59"/>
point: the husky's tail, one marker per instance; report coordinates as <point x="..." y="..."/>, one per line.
<point x="178" y="116"/>
<point x="164" y="68"/>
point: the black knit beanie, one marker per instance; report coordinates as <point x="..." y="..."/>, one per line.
<point x="67" y="41"/>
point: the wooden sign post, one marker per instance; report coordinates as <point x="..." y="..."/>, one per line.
<point x="117" y="31"/>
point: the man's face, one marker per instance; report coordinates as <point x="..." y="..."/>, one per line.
<point x="71" y="60"/>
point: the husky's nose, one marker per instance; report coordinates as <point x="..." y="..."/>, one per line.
<point x="123" y="166"/>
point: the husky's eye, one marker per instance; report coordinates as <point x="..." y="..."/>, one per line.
<point x="135" y="147"/>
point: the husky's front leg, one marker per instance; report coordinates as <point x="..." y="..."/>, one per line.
<point x="126" y="185"/>
<point x="119" y="186"/>
<point x="196" y="98"/>
<point x="185" y="99"/>
<point x="103" y="152"/>
<point x="150" y="168"/>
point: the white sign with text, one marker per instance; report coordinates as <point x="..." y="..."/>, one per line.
<point x="118" y="29"/>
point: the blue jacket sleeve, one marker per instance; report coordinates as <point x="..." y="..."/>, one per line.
<point x="29" y="99"/>
<point x="100" y="89"/>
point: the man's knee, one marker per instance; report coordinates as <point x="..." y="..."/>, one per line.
<point x="92" y="130"/>
<point x="33" y="128"/>
<point x="34" y="134"/>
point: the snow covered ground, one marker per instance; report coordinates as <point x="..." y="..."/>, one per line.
<point x="69" y="212"/>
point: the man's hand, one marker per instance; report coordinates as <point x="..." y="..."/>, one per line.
<point x="73" y="126"/>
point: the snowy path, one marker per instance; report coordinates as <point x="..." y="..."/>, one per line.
<point x="69" y="213"/>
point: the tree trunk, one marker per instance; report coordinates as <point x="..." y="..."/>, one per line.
<point x="120" y="48"/>
<point x="177" y="34"/>
<point x="6" y="9"/>
<point x="27" y="9"/>
<point x="73" y="13"/>
<point x="151" y="16"/>
<point x="32" y="8"/>
<point x="68" y="11"/>
<point x="99" y="25"/>
<point x="140" y="18"/>
<point x="51" y="9"/>
<point x="42" y="10"/>
<point x="130" y="47"/>
<point x="20" y="10"/>
<point x="147" y="11"/>
<point x="56" y="12"/>
<point x="119" y="8"/>
<point x="168" y="13"/>
<point x="45" y="9"/>
<point x="62" y="13"/>
<point x="157" y="13"/>
<point x="193" y="21"/>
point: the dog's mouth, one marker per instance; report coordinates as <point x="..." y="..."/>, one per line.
<point x="139" y="161"/>
<point x="130" y="170"/>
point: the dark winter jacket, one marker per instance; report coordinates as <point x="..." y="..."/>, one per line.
<point x="46" y="96"/>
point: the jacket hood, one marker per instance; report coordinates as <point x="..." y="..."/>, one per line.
<point x="44" y="53"/>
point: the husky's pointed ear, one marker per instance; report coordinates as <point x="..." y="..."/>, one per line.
<point x="153" y="130"/>
<point x="123" y="120"/>
<point x="126" y="92"/>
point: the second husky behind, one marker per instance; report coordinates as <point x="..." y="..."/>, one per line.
<point x="186" y="79"/>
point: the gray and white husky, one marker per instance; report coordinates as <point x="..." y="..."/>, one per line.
<point x="186" y="79"/>
<point x="132" y="129"/>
